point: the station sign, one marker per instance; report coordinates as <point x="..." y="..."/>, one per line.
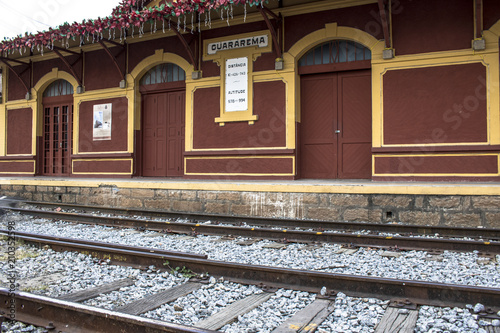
<point x="236" y="84"/>
<point x="260" y="41"/>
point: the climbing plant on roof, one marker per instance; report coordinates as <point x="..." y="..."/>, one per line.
<point x="125" y="18"/>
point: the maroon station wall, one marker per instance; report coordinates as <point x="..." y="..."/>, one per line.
<point x="365" y="18"/>
<point x="269" y="131"/>
<point x="109" y="155"/>
<point x="436" y="105"/>
<point x="431" y="26"/>
<point x="19" y="131"/>
<point x="100" y="71"/>
<point x="19" y="142"/>
<point x="419" y="104"/>
<point x="119" y="122"/>
<point x="444" y="104"/>
<point x="269" y="105"/>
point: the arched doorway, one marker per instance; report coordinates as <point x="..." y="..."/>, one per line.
<point x="57" y="136"/>
<point x="335" y="129"/>
<point x="163" y="92"/>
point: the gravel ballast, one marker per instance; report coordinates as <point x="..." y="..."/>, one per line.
<point x="350" y="314"/>
<point x="450" y="267"/>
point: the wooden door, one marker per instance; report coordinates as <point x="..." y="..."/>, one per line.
<point x="336" y="125"/>
<point x="355" y="125"/>
<point x="57" y="126"/>
<point x="163" y="134"/>
<point x="175" y="135"/>
<point x="318" y="119"/>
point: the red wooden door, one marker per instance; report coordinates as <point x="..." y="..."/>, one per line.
<point x="57" y="126"/>
<point x="163" y="134"/>
<point x="175" y="135"/>
<point x="355" y="125"/>
<point x="318" y="119"/>
<point x="336" y="125"/>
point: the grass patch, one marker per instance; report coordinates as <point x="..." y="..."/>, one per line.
<point x="34" y="288"/>
<point x="22" y="252"/>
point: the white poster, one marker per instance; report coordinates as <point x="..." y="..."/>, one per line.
<point x="237" y="84"/>
<point x="102" y="122"/>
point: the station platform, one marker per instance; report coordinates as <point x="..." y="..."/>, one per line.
<point x="284" y="186"/>
<point x="467" y="204"/>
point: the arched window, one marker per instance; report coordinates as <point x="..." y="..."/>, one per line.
<point x="163" y="73"/>
<point x="334" y="52"/>
<point x="58" y="88"/>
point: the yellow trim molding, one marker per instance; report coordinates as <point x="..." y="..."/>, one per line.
<point x="18" y="173"/>
<point x="101" y="160"/>
<point x="220" y="58"/>
<point x="38" y="90"/>
<point x="489" y="58"/>
<point x="292" y="186"/>
<point x="436" y="174"/>
<point x="292" y="158"/>
<point x="159" y="57"/>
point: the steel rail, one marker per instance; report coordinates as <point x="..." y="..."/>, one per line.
<point x="419" y="292"/>
<point x="446" y="231"/>
<point x="407" y="243"/>
<point x="105" y="244"/>
<point x="61" y="316"/>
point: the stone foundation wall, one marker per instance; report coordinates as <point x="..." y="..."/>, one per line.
<point x="465" y="211"/>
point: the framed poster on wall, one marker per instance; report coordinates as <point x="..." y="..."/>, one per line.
<point x="102" y="122"/>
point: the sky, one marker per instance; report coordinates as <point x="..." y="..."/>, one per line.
<point x="18" y="17"/>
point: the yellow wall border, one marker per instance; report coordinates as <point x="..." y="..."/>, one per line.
<point x="38" y="90"/>
<point x="100" y="160"/>
<point x="3" y="112"/>
<point x="292" y="158"/>
<point x="331" y="31"/>
<point x="12" y="108"/>
<point x="97" y="96"/>
<point x="489" y="57"/>
<point x="18" y="173"/>
<point x="436" y="174"/>
<point x="220" y="58"/>
<point x="133" y="79"/>
<point x="292" y="186"/>
<point x="261" y="76"/>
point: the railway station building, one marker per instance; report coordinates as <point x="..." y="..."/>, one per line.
<point x="373" y="93"/>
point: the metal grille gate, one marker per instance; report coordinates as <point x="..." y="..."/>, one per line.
<point x="57" y="139"/>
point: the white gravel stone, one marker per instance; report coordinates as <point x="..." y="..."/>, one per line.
<point x="454" y="320"/>
<point x="146" y="284"/>
<point x="202" y="303"/>
<point x="18" y="327"/>
<point x="455" y="268"/>
<point x="354" y="315"/>
<point x="271" y="314"/>
<point x="350" y="315"/>
<point x="479" y="308"/>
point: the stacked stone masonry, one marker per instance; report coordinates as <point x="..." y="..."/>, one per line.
<point x="464" y="211"/>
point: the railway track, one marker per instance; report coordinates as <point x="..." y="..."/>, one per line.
<point x="406" y="295"/>
<point x="436" y="294"/>
<point x="486" y="242"/>
<point x="402" y="229"/>
<point x="62" y="316"/>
